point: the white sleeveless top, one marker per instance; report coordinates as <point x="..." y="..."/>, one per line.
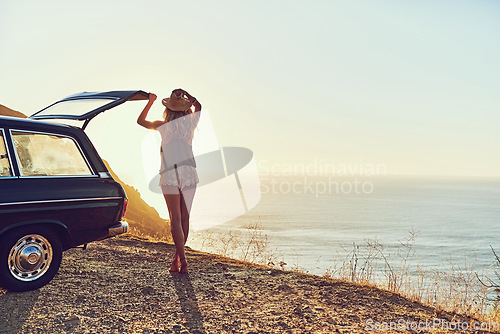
<point x="178" y="167"/>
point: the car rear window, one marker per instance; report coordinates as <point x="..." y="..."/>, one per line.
<point x="41" y="154"/>
<point x="5" y="169"/>
<point x="73" y="108"/>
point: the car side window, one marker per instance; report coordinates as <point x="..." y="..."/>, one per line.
<point x="5" y="169"/>
<point x="41" y="154"/>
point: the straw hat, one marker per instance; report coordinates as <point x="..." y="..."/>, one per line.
<point x="176" y="103"/>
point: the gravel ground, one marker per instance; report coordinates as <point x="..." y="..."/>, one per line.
<point x="122" y="285"/>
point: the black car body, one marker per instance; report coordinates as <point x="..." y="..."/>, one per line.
<point x="55" y="191"/>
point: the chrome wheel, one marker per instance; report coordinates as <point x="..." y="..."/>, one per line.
<point x="30" y="257"/>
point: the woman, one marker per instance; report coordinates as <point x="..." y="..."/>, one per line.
<point x="178" y="177"/>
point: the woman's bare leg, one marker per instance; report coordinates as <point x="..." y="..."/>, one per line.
<point x="174" y="209"/>
<point x="186" y="202"/>
<point x="187" y="196"/>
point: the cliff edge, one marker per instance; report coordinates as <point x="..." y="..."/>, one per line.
<point x="123" y="285"/>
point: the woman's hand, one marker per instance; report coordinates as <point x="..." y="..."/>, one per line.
<point x="178" y="92"/>
<point x="152" y="97"/>
<point x="182" y="92"/>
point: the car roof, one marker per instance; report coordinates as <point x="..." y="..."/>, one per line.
<point x="36" y="125"/>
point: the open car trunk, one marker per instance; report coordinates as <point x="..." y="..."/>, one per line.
<point x="85" y="106"/>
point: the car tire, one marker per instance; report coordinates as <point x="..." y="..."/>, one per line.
<point x="29" y="258"/>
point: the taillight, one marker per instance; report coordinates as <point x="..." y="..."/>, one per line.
<point x="125" y="204"/>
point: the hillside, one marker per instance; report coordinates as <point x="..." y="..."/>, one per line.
<point x="9" y="112"/>
<point x="122" y="285"/>
<point x="142" y="218"/>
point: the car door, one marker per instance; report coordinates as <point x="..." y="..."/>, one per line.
<point x="53" y="181"/>
<point x="85" y="106"/>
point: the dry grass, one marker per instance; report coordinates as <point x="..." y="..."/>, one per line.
<point x="456" y="289"/>
<point x="250" y="245"/>
<point x="156" y="237"/>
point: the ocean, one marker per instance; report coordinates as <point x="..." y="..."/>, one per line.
<point x="314" y="223"/>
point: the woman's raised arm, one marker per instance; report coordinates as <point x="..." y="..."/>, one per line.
<point x="141" y="120"/>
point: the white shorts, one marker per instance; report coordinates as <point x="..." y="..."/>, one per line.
<point x="181" y="176"/>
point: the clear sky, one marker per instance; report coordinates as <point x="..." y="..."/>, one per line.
<point x="413" y="85"/>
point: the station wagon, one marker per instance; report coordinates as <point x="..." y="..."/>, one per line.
<point x="55" y="191"/>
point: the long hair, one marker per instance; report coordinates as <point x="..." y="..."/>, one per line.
<point x="181" y="123"/>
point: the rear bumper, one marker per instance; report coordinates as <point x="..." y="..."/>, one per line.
<point x="119" y="228"/>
